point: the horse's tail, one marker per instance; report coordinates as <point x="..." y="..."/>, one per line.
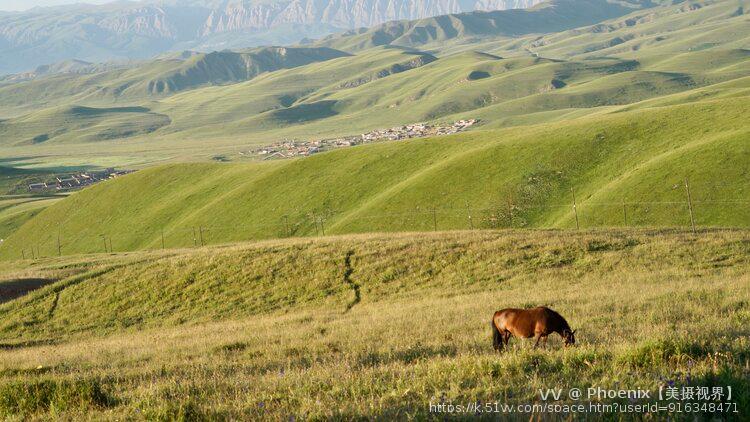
<point x="497" y="340"/>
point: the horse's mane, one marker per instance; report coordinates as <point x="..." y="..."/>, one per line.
<point x="565" y="324"/>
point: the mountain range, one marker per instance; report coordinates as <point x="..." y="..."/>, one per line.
<point x="139" y="30"/>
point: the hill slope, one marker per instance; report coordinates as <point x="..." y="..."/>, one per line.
<point x="641" y="157"/>
<point x="370" y="326"/>
<point x="220" y="104"/>
<point x="553" y="16"/>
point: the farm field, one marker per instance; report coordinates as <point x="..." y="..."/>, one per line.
<point x="371" y="325"/>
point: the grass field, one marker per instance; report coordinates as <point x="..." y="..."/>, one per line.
<point x="371" y="325"/>
<point x="516" y="177"/>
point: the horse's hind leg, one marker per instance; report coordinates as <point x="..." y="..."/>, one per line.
<point x="538" y="337"/>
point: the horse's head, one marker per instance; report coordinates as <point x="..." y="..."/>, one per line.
<point x="569" y="337"/>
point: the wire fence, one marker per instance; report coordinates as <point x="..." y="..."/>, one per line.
<point x="502" y="214"/>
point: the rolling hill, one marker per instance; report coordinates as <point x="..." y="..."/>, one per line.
<point x="640" y="157"/>
<point x="354" y="327"/>
<point x="198" y="106"/>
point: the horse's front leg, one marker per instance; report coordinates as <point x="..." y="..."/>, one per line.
<point x="538" y="337"/>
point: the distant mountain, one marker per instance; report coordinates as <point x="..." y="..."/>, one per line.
<point x="138" y="30"/>
<point x="552" y="16"/>
<point x="162" y="76"/>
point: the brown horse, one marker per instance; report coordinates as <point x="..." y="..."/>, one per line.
<point x="526" y="323"/>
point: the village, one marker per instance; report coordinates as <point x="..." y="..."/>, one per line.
<point x="76" y="180"/>
<point x="295" y="148"/>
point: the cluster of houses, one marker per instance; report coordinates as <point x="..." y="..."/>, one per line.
<point x="77" y="180"/>
<point x="293" y="148"/>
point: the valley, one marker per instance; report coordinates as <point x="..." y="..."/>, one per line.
<point x="292" y="217"/>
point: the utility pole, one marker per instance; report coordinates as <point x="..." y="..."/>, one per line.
<point x="575" y="208"/>
<point x="468" y="212"/>
<point x="690" y="204"/>
<point x="510" y="211"/>
<point x="315" y="222"/>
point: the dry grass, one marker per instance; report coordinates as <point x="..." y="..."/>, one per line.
<point x="651" y="307"/>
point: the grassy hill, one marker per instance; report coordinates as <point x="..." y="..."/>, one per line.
<point x="159" y="77"/>
<point x="552" y="16"/>
<point x="520" y="177"/>
<point x="76" y="124"/>
<point x="376" y="325"/>
<point x="196" y="106"/>
<point x="380" y="88"/>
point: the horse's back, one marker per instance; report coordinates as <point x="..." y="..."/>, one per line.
<point x="527" y="322"/>
<point x="518" y="321"/>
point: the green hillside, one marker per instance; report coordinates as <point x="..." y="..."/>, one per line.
<point x="641" y="157"/>
<point x="160" y="77"/>
<point x="15" y="211"/>
<point x="76" y="124"/>
<point x="495" y="66"/>
<point x="370" y="326"/>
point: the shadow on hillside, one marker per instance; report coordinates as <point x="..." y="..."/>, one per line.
<point x="14" y="289"/>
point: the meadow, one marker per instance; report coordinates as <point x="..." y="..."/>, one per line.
<point x="625" y="168"/>
<point x="372" y="325"/>
<point x="607" y="179"/>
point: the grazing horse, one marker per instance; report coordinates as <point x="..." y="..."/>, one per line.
<point x="526" y="323"/>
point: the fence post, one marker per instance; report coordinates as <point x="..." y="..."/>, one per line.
<point x="195" y="239"/>
<point x="286" y="225"/>
<point x="690" y="204"/>
<point x="510" y="211"/>
<point x="200" y="230"/>
<point x="23" y="254"/>
<point x="434" y="219"/>
<point x="575" y="208"/>
<point x="110" y="245"/>
<point x="104" y="239"/>
<point x="315" y="223"/>
<point x="59" y="248"/>
<point x="624" y="212"/>
<point x="468" y="212"/>
<point x="162" y="239"/>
